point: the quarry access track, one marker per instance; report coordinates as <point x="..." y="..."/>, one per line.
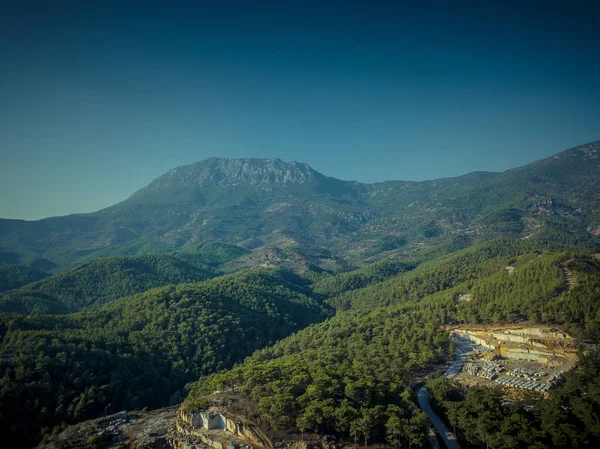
<point x="569" y="281"/>
<point x="449" y="438"/>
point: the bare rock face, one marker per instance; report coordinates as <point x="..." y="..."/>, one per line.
<point x="217" y="429"/>
<point x="215" y="172"/>
<point x="174" y="428"/>
<point x="123" y="430"/>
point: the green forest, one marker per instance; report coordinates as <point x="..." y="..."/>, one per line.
<point x="347" y="375"/>
<point x="101" y="281"/>
<point x="15" y="276"/>
<point x="325" y="353"/>
<point x="351" y="373"/>
<point x="140" y="351"/>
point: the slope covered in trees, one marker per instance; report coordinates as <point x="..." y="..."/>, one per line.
<point x="438" y="274"/>
<point x="140" y="351"/>
<point x="210" y="253"/>
<point x="349" y="374"/>
<point x="15" y="276"/>
<point x="200" y="254"/>
<point x="534" y="292"/>
<point x="101" y="281"/>
<point x="370" y="274"/>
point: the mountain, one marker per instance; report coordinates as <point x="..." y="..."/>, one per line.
<point x="101" y="281"/>
<point x="484" y="249"/>
<point x="268" y="202"/>
<point x="204" y="181"/>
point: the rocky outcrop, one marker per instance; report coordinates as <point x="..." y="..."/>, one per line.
<point x="538" y="344"/>
<point x="206" y="426"/>
<point x="233" y="172"/>
<point x="206" y="439"/>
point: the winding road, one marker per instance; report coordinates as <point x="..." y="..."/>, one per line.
<point x="423" y="399"/>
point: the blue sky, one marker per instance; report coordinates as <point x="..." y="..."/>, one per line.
<point x="98" y="98"/>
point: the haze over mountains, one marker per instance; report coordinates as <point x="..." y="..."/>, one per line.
<point x="264" y="202"/>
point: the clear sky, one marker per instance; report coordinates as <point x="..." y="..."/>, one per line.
<point x="97" y="98"/>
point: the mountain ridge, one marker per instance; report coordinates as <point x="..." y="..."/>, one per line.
<point x="590" y="153"/>
<point x="255" y="202"/>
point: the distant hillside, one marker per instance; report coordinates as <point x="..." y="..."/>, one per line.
<point x="436" y="275"/>
<point x="15" y="276"/>
<point x="101" y="281"/>
<point x="210" y="253"/>
<point x="26" y="258"/>
<point x="140" y="351"/>
<point x="258" y="202"/>
<point x="136" y="247"/>
<point x="354" y="280"/>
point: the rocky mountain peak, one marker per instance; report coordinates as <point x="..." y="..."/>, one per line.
<point x="217" y="172"/>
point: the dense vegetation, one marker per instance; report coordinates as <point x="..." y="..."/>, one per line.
<point x="210" y="253"/>
<point x="135" y="247"/>
<point x="139" y="352"/>
<point x="353" y="280"/>
<point x="535" y="292"/>
<point x="347" y="375"/>
<point x="15" y="276"/>
<point x="26" y="259"/>
<point x="101" y="281"/>
<point x="350" y="373"/>
<point x="437" y="275"/>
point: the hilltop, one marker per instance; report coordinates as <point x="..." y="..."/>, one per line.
<point x="100" y="281"/>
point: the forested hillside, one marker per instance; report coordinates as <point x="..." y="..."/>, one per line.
<point x="436" y="275"/>
<point x="15" y="276"/>
<point x="210" y="253"/>
<point x="349" y="374"/>
<point x="101" y="281"/>
<point x="370" y="274"/>
<point x="140" y="351"/>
